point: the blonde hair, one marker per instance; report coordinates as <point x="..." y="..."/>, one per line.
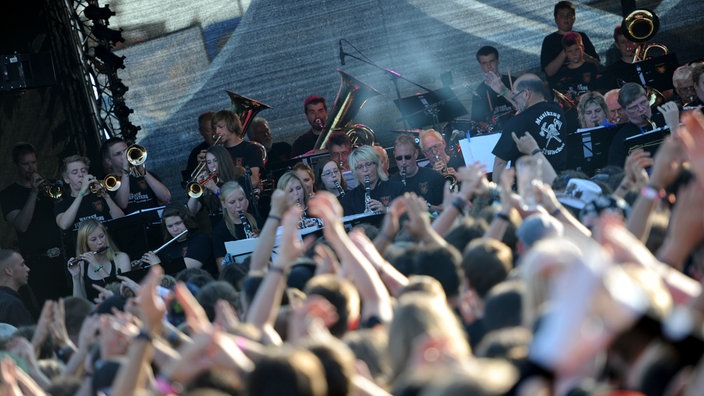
<point x="289" y="177"/>
<point x="588" y="99"/>
<point x="367" y="153"/>
<point x="71" y="159"/>
<point x="87" y="227"/>
<point x="226" y="190"/>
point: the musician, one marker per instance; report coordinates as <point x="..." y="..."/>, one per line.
<point x="543" y="119"/>
<point x="383" y="156"/>
<point x="245" y="154"/>
<point x="97" y="259"/>
<point x="489" y="105"/>
<point x="683" y="84"/>
<point x="234" y="203"/>
<point x="636" y="105"/>
<point x="592" y="111"/>
<point x="330" y="178"/>
<point x="364" y="161"/>
<point x="30" y="211"/>
<point x="307" y="177"/>
<point x="340" y="147"/>
<point x="615" y="112"/>
<point x="316" y="112"/>
<point x="434" y="147"/>
<point x="552" y="54"/>
<point x="260" y="132"/>
<point x="296" y="193"/>
<point x="81" y="204"/>
<point x="135" y="193"/>
<point x="207" y="208"/>
<point x="191" y="250"/>
<point x="205" y="128"/>
<point x="577" y="76"/>
<point x="425" y="182"/>
<point x="619" y="69"/>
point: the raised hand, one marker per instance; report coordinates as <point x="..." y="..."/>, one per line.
<point x="196" y="317"/>
<point x="692" y="136"/>
<point x="151" y="306"/>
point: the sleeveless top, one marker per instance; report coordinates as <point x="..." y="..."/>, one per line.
<point x="88" y="283"/>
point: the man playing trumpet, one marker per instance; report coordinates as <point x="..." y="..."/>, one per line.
<point x="134" y="193"/>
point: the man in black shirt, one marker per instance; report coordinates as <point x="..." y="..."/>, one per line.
<point x="245" y="154"/>
<point x="28" y="208"/>
<point x="317" y="114"/>
<point x="14" y="274"/>
<point x="425" y="182"/>
<point x="544" y="120"/>
<point x="205" y="128"/>
<point x="489" y="105"/>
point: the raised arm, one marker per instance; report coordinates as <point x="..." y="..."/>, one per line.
<point x="267" y="237"/>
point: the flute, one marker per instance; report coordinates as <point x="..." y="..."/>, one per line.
<point x="77" y="260"/>
<point x="139" y="262"/>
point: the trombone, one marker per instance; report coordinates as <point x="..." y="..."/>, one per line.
<point x="195" y="188"/>
<point x="201" y="164"/>
<point x="110" y="183"/>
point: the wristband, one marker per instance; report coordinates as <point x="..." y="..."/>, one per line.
<point x="459" y="204"/>
<point x="652" y="193"/>
<point x="144" y="336"/>
<point x="504" y="92"/>
<point x="274" y="268"/>
<point x="82" y="193"/>
<point x="536" y="151"/>
<point x="166" y="387"/>
<point x="502" y="216"/>
<point x="277" y="218"/>
<point x="217" y="193"/>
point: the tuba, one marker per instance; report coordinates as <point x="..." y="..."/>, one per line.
<point x="640" y="26"/>
<point x="245" y="108"/>
<point x="351" y="97"/>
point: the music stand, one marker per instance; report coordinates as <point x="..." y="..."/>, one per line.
<point x="138" y="232"/>
<point x="588" y="149"/>
<point x="654" y="72"/>
<point x="648" y="141"/>
<point x="430" y="108"/>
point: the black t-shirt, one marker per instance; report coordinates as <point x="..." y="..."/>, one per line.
<point x="221" y="235"/>
<point x="91" y="292"/>
<point x="545" y="122"/>
<point x="42" y="232"/>
<point x="197" y="247"/>
<point x="141" y="195"/>
<point x="91" y="207"/>
<point x="247" y="154"/>
<point x="488" y="106"/>
<point x="12" y="309"/>
<point x="304" y="143"/>
<point x="575" y="82"/>
<point x="552" y="46"/>
<point x="427" y="183"/>
<point x="385" y="192"/>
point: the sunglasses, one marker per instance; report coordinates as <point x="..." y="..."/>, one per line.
<point x="403" y="157"/>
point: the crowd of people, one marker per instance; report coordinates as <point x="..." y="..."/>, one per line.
<point x="374" y="271"/>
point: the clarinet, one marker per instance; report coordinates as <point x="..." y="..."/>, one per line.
<point x="403" y="176"/>
<point x="248" y="233"/>
<point x="367" y="195"/>
<point x="340" y="191"/>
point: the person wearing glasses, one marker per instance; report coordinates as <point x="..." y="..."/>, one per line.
<point x="330" y="178"/>
<point x="434" y="147"/>
<point x="365" y="162"/>
<point x="636" y="109"/>
<point x="425" y="182"/>
<point x="544" y="120"/>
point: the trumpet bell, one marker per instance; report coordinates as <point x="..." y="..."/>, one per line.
<point x="96" y="187"/>
<point x="195" y="190"/>
<point x="136" y="155"/>
<point x="245" y="108"/>
<point x="112" y="183"/>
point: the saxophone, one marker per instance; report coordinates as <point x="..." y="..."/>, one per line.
<point x="403" y="176"/>
<point x="248" y="233"/>
<point x="340" y="191"/>
<point x="367" y="195"/>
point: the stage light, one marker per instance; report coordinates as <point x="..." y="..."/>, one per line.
<point x="109" y="59"/>
<point x="102" y="32"/>
<point x="118" y="88"/>
<point x="129" y="132"/>
<point x="94" y="13"/>
<point x="122" y="111"/>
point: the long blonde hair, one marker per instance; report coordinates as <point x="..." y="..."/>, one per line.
<point x="86" y="228"/>
<point x="226" y="190"/>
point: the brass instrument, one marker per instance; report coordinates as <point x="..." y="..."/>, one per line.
<point x="262" y="149"/>
<point x="649" y="121"/>
<point x="447" y="175"/>
<point x="53" y="190"/>
<point x="110" y="183"/>
<point x="351" y="97"/>
<point x="367" y="194"/>
<point x="245" y="108"/>
<point x="640" y="26"/>
<point x="139" y="263"/>
<point x="565" y="102"/>
<point x="136" y="156"/>
<point x="203" y="163"/>
<point x="195" y="189"/>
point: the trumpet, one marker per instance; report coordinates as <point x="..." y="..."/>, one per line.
<point x="137" y="156"/>
<point x="53" y="190"/>
<point x="110" y="183"/>
<point x="195" y="189"/>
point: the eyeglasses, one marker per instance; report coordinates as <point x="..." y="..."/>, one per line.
<point x="403" y="157"/>
<point x="364" y="165"/>
<point x="513" y="96"/>
<point x="330" y="172"/>
<point x="642" y="105"/>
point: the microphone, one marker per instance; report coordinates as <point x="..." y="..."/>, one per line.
<point x="342" y="54"/>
